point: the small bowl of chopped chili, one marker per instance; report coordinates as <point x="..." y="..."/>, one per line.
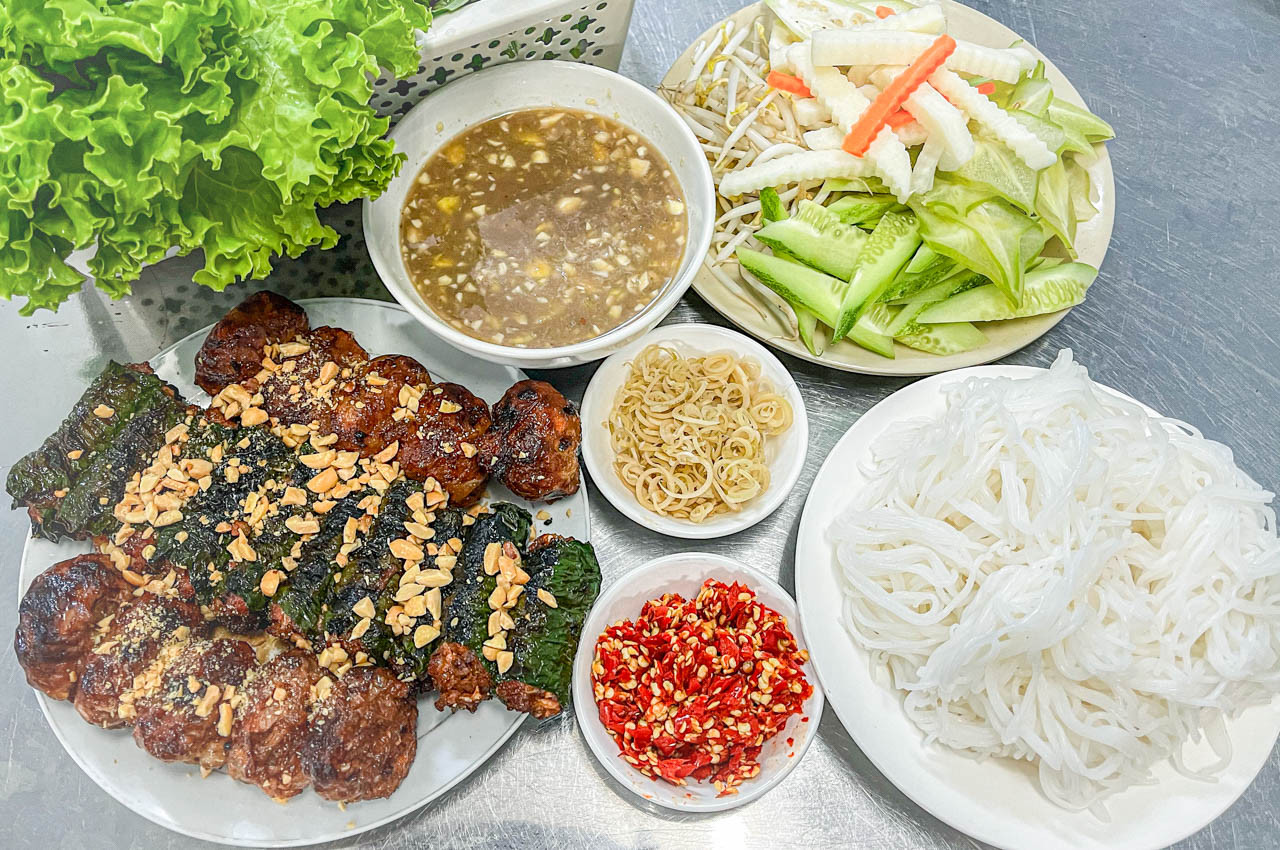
<point x="693" y="683"/>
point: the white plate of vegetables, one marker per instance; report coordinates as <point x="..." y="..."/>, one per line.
<point x="903" y="189"/>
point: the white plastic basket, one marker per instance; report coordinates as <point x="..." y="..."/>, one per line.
<point x="493" y="32"/>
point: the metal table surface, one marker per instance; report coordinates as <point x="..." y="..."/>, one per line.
<point x="1185" y="316"/>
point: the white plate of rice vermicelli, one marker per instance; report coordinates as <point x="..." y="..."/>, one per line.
<point x="694" y="431"/>
<point x="1049" y="615"/>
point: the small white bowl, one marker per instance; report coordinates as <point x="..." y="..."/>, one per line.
<point x="785" y="453"/>
<point x="684" y="573"/>
<point x="528" y="85"/>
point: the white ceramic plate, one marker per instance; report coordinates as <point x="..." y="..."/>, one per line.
<point x="784" y="453"/>
<point x="684" y="573"/>
<point x="1003" y="338"/>
<point x="998" y="800"/>
<point x="528" y="85"/>
<point x="450" y="746"/>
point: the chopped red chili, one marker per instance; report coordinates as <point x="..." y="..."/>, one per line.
<point x="693" y="689"/>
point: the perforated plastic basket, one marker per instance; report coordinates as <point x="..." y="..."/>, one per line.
<point x="492" y="32"/>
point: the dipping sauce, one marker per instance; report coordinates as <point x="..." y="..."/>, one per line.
<point x="543" y="227"/>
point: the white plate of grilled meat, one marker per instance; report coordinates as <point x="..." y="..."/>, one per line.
<point x="324" y="578"/>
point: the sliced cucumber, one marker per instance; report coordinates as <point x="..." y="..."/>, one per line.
<point x="1045" y="290"/>
<point x="908" y="284"/>
<point x="798" y="284"/>
<point x="860" y="208"/>
<point x="958" y="281"/>
<point x="1032" y="95"/>
<point x="816" y="237"/>
<point x="878" y="343"/>
<point x="878" y="318"/>
<point x="771" y="208"/>
<point x="813" y="333"/>
<point x="943" y="339"/>
<point x="889" y="248"/>
<point x="923" y="258"/>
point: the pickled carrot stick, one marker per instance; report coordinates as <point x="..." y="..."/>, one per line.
<point x="896" y="93"/>
<point x="788" y="83"/>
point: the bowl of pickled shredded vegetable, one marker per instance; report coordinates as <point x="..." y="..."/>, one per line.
<point x="693" y="683"/>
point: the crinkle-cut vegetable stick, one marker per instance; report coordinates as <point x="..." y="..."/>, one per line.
<point x="926" y="166"/>
<point x="925" y="19"/>
<point x="810" y="113"/>
<point x="895" y="94"/>
<point x="911" y="134"/>
<point x="887" y="155"/>
<point x="794" y="168"/>
<point x="831" y="138"/>
<point x="824" y="139"/>
<point x="876" y="47"/>
<point x="939" y="118"/>
<point x="1027" y="145"/>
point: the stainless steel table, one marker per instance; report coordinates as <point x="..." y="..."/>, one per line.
<point x="1185" y="316"/>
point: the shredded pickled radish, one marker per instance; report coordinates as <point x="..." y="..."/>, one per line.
<point x="1052" y="574"/>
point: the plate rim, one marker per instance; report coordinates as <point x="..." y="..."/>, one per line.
<point x="810" y="542"/>
<point x="594" y="396"/>
<point x="932" y="364"/>
<point x="104" y="782"/>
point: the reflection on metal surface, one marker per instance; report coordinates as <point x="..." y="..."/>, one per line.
<point x="1184" y="316"/>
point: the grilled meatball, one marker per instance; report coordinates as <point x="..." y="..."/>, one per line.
<point x="270" y="727"/>
<point x="232" y="353"/>
<point x="185" y="716"/>
<point x="443" y="442"/>
<point x="517" y="696"/>
<point x="57" y="619"/>
<point x="363" y="406"/>
<point x="363" y="737"/>
<point x="533" y="444"/>
<point x="459" y="676"/>
<point x="294" y="396"/>
<point x="141" y="632"/>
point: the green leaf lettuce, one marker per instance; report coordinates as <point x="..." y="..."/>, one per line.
<point x="137" y="128"/>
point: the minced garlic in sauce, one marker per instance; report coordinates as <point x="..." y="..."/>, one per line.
<point x="543" y="227"/>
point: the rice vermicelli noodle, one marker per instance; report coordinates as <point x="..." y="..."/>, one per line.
<point x="1052" y="574"/>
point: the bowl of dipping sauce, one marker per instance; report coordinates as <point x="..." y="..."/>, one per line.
<point x="548" y="213"/>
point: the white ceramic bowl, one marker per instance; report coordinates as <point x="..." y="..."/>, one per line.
<point x="785" y="453"/>
<point x="528" y="85"/>
<point x="684" y="573"/>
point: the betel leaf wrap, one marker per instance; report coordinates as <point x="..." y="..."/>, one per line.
<point x="34" y="480"/>
<point x="372" y="567"/>
<point x="309" y="585"/>
<point x="203" y="549"/>
<point x="545" y="639"/>
<point x="375" y="572"/>
<point x="87" y="510"/>
<point x="467" y="607"/>
<point x="408" y="660"/>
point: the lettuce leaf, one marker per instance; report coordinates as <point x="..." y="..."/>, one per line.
<point x="138" y="127"/>
<point x="980" y="231"/>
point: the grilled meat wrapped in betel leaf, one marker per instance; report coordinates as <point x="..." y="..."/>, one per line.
<point x="71" y="483"/>
<point x="564" y="581"/>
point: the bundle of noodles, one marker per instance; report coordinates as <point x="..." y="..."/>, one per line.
<point x="1052" y="574"/>
<point x="688" y="434"/>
